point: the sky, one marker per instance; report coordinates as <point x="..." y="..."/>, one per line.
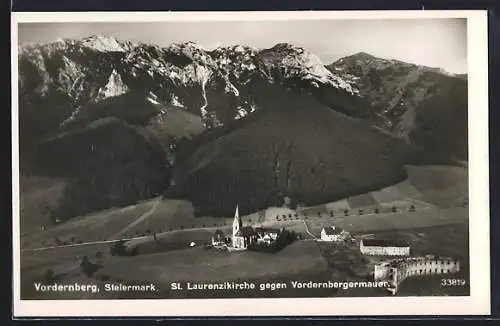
<point x="440" y="43"/>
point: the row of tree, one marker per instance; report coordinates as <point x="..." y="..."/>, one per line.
<point x="345" y="212"/>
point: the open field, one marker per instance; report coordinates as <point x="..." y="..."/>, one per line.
<point x="200" y="265"/>
<point x="390" y="221"/>
<point x="95" y="227"/>
<point x="212" y="265"/>
<point x="175" y="215"/>
<point x="443" y="186"/>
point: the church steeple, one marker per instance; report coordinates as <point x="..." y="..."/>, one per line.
<point x="237" y="224"/>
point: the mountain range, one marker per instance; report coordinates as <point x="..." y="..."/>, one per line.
<point x="121" y="121"/>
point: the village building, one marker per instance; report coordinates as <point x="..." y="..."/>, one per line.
<point x="219" y="239"/>
<point x="333" y="233"/>
<point x="397" y="270"/>
<point x="374" y="247"/>
<point x="267" y="235"/>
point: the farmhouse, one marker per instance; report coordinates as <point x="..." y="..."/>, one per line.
<point x="267" y="235"/>
<point x="374" y="247"/>
<point x="396" y="271"/>
<point x="218" y="239"/>
<point x="333" y="233"/>
<point x="243" y="236"/>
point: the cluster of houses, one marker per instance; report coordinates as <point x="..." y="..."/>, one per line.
<point x="244" y="236"/>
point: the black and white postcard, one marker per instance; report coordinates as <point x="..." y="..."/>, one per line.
<point x="250" y="163"/>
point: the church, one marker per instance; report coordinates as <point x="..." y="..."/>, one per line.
<point x="243" y="236"/>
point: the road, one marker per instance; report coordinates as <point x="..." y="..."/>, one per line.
<point x="149" y="213"/>
<point x="140" y="219"/>
<point x="307" y="230"/>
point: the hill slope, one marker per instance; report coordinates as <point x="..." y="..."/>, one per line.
<point x="424" y="106"/>
<point x="296" y="147"/>
<point x="106" y="163"/>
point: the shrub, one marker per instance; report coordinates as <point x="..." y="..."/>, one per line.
<point x="86" y="266"/>
<point x="49" y="276"/>
<point x="118" y="248"/>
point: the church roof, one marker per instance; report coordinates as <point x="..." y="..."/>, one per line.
<point x="384" y="243"/>
<point x="245" y="231"/>
<point x="267" y="230"/>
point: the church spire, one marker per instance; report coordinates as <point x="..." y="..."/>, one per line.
<point x="237" y="224"/>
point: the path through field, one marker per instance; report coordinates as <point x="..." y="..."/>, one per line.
<point x="140" y="219"/>
<point x="307" y="230"/>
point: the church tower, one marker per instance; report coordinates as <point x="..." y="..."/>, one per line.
<point x="237" y="224"/>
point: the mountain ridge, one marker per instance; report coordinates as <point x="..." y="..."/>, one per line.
<point x="182" y="105"/>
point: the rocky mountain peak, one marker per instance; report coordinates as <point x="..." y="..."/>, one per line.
<point x="103" y="43"/>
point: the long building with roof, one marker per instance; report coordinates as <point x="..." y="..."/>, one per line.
<point x="375" y="247"/>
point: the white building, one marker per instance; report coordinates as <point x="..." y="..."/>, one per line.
<point x="266" y="235"/>
<point x="333" y="233"/>
<point x="374" y="247"/>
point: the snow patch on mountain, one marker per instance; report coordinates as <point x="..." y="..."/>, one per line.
<point x="203" y="110"/>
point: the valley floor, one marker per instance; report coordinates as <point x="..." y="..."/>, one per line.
<point x="399" y="211"/>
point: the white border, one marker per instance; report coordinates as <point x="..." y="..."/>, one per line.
<point x="478" y="303"/>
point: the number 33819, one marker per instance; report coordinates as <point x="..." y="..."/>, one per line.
<point x="453" y="282"/>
